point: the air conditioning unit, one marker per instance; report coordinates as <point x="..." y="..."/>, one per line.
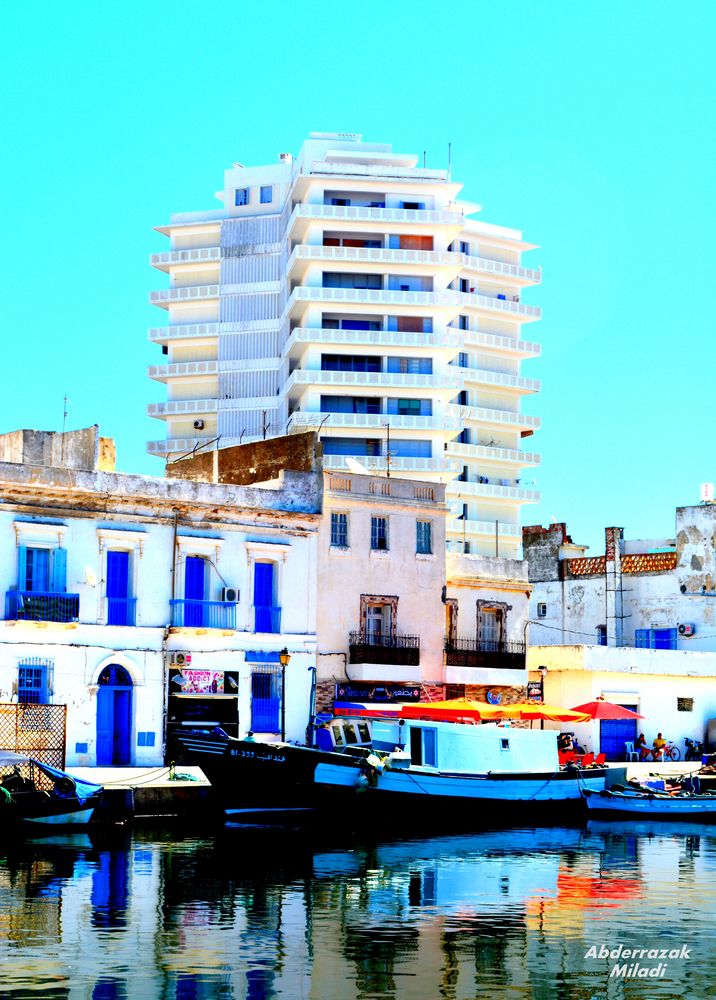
<point x="198" y="425"/>
<point x="687" y="628"/>
<point x="230" y="595"/>
<point x="179" y="659"/>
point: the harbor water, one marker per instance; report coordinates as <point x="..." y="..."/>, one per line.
<point x="270" y="912"/>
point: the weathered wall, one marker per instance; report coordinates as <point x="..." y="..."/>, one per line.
<point x="256" y="462"/>
<point x="540" y="547"/>
<point x="78" y="449"/>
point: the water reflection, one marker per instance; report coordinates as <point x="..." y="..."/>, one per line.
<point x="256" y="914"/>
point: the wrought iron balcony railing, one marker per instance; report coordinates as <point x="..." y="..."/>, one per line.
<point x="41" y="606"/>
<point x="203" y="614"/>
<point x="486" y="654"/>
<point x="402" y="650"/>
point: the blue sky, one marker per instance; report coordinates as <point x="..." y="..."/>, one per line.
<point x="590" y="126"/>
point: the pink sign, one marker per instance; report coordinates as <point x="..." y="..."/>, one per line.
<point x="202" y="682"/>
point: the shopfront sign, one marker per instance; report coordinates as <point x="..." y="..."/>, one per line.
<point x="365" y="691"/>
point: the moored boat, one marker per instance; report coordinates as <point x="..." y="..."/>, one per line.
<point x="37" y="795"/>
<point x="651" y="804"/>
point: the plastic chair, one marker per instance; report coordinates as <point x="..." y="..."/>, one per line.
<point x="600" y="759"/>
<point x="587" y="760"/>
<point x="631" y="753"/>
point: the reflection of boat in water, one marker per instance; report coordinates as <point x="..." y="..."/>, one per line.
<point x="628" y="803"/>
<point x="606" y="827"/>
<point x="35" y="794"/>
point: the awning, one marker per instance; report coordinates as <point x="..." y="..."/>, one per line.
<point x="364" y="708"/>
<point x="261" y="656"/>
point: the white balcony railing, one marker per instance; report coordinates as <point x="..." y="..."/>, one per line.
<point x="177" y="407"/>
<point x="450" y="339"/>
<point x="184" y="368"/>
<point x="501" y="379"/>
<point x="187" y="293"/>
<point x="447" y="299"/>
<point x="484" y="415"/>
<point x="188" y="331"/>
<point x="394" y="380"/>
<point x="375" y="463"/>
<point x="496" y="342"/>
<point x="358" y="213"/>
<point x="458" y="526"/>
<point x="488" y="266"/>
<point x="492" y="491"/>
<point x="300" y="419"/>
<point x="178" y="445"/>
<point x="197" y="255"/>
<point x="485" y="453"/>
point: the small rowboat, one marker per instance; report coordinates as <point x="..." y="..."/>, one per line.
<point x="35" y="794"/>
<point x="651" y="805"/>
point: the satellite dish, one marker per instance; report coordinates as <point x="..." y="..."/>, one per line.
<point x="356" y="466"/>
<point x="90" y="576"/>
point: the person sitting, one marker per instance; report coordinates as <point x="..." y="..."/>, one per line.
<point x="641" y="748"/>
<point x="249" y="738"/>
<point x="565" y="742"/>
<point x="659" y="744"/>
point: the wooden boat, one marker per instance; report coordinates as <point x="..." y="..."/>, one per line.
<point x="35" y="794"/>
<point x="651" y="804"/>
<point x="260" y="778"/>
<point x="476" y="770"/>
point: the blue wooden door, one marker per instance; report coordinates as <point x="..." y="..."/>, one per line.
<point x="105" y="726"/>
<point x="114" y="718"/>
<point x="266" y="701"/>
<point x="194" y="590"/>
<point x="117" y="587"/>
<point x="121" y="727"/>
<point x="614" y="733"/>
<point x="263" y="597"/>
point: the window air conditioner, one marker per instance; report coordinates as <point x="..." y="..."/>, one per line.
<point x="687" y="628"/>
<point x="198" y="425"/>
<point x="230" y="595"/>
<point x="179" y="659"/>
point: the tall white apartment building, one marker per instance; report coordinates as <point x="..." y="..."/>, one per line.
<point x="347" y="289"/>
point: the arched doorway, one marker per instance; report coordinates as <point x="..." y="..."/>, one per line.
<point x="114" y="716"/>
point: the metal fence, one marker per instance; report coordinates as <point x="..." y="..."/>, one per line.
<point x="35" y="730"/>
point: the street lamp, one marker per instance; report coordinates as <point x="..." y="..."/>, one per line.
<point x="284" y="659"/>
<point x="542" y="671"/>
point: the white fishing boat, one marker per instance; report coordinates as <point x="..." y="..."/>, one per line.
<point x="477" y="768"/>
<point x="650" y="804"/>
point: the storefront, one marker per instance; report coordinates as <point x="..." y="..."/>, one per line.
<point x="202" y="699"/>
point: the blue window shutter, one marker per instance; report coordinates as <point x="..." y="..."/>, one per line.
<point x="59" y="571"/>
<point x="263" y="585"/>
<point x="194" y="572"/>
<point x="22" y="567"/>
<point x="118" y="574"/>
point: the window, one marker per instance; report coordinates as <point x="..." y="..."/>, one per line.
<point x="464" y="285"/>
<point x="378" y="624"/>
<point x="410" y="407"/>
<point x="241" y="196"/>
<point x="490" y="626"/>
<point x="541" y="610"/>
<point x="339" y="530"/>
<point x="266" y="194"/>
<point x="266" y="694"/>
<point x="37" y="570"/>
<point x="424" y="537"/>
<point x="464" y="247"/>
<point x="32" y="681"/>
<point x="379" y="533"/>
<point x="601" y="635"/>
<point x="684" y="704"/>
<point x="423" y="746"/>
<point x="463" y="322"/>
<point x="410" y="366"/>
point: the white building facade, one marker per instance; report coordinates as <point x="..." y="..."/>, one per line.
<point x="144" y="604"/>
<point x="348" y="290"/>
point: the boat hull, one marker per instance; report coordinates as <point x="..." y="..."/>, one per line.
<point x="701" y="808"/>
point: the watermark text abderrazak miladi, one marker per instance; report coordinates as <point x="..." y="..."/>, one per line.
<point x="638" y="963"/>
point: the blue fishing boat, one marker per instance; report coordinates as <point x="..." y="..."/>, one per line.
<point x="38" y="795"/>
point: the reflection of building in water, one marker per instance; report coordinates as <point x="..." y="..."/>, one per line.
<point x="258" y="917"/>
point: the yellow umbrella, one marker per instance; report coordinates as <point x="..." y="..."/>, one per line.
<point x="534" y="710"/>
<point x="453" y="709"/>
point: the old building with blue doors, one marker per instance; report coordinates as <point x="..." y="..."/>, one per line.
<point x="143" y="604"/>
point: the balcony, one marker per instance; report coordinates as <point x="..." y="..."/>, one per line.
<point x="185" y="331"/>
<point x="493" y="491"/>
<point x="484" y="265"/>
<point x="183" y="368"/>
<point x="479" y="654"/>
<point x="121" y="610"/>
<point x="448" y="299"/>
<point x="373" y="255"/>
<point x="440" y="466"/>
<point x="485" y="529"/>
<point x="360" y="213"/>
<point x="197" y="255"/>
<point x="449" y="339"/>
<point x="267" y="618"/>
<point x="301" y="419"/>
<point x="486" y="453"/>
<point x="166" y="297"/>
<point x="500" y="380"/>
<point x="448" y="381"/>
<point x="41" y="606"/>
<point x="398" y="650"/>
<point x="480" y="414"/>
<point x="172" y="445"/>
<point x="177" y="407"/>
<point x="504" y="345"/>
<point x="203" y="614"/>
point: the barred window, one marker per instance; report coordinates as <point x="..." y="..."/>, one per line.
<point x="33" y="681"/>
<point x="339" y="530"/>
<point x="424" y="537"/>
<point x="684" y="704"/>
<point x="379" y="533"/>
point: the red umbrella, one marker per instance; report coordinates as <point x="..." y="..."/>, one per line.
<point x="602" y="709"/>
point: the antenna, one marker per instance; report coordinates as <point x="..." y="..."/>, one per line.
<point x="64" y="424"/>
<point x="449" y="170"/>
<point x="424" y="155"/>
